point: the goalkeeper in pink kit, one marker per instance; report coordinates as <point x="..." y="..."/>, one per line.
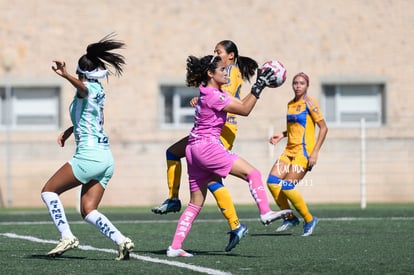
<point x="207" y="159"/>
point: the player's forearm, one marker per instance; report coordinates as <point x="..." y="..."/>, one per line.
<point x="321" y="138"/>
<point x="80" y="87"/>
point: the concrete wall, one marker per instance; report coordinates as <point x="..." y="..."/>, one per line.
<point x="327" y="39"/>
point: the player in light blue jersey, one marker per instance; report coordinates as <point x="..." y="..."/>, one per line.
<point x="92" y="165"/>
<point x="87" y="116"/>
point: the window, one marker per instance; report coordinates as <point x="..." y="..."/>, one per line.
<point x="176" y="111"/>
<point x="347" y="104"/>
<point x="25" y="106"/>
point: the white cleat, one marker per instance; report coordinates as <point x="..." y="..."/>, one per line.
<point x="289" y="223"/>
<point x="64" y="245"/>
<point x="271" y="216"/>
<point x="124" y="248"/>
<point x="178" y="253"/>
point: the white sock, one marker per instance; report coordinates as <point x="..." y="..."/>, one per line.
<point x="105" y="226"/>
<point x="57" y="213"/>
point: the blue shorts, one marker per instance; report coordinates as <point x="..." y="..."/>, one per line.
<point x="93" y="164"/>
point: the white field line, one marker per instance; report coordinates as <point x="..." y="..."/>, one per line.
<point x="343" y="219"/>
<point x="132" y="255"/>
<point x="161" y="261"/>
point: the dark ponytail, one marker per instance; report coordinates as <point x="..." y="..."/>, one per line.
<point x="98" y="55"/>
<point x="247" y="65"/>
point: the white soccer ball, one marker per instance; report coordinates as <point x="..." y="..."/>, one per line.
<point x="278" y="70"/>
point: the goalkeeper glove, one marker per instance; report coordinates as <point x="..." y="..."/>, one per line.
<point x="265" y="78"/>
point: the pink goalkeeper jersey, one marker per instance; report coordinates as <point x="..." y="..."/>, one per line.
<point x="209" y="116"/>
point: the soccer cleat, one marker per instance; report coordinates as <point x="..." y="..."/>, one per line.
<point x="271" y="216"/>
<point x="178" y="253"/>
<point x="288" y="223"/>
<point x="64" y="245"/>
<point x="308" y="227"/>
<point x="235" y="236"/>
<point x="169" y="205"/>
<point x="124" y="248"/>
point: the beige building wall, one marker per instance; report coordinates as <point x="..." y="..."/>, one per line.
<point x="328" y="39"/>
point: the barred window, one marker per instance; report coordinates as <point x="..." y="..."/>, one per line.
<point x="347" y="104"/>
<point x="176" y="111"/>
<point x="30" y="106"/>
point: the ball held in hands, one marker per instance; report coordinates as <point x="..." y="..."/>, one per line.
<point x="278" y="76"/>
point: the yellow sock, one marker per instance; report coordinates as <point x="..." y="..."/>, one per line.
<point x="279" y="197"/>
<point x="297" y="200"/>
<point x="225" y="203"/>
<point x="282" y="201"/>
<point x="173" y="178"/>
<point x="274" y="186"/>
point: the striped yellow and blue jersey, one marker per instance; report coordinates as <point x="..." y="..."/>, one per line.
<point x="233" y="88"/>
<point x="301" y="118"/>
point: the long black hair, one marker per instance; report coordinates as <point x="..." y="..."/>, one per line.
<point x="246" y="64"/>
<point x="98" y="55"/>
<point x="197" y="69"/>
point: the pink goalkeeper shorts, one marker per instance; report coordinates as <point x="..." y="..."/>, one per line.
<point x="206" y="160"/>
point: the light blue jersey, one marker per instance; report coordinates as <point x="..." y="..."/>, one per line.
<point x="93" y="158"/>
<point x="87" y="117"/>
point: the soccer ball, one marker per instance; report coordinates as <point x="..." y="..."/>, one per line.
<point x="278" y="70"/>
